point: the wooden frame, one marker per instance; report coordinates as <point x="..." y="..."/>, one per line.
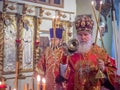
<point x="2" y="41"/>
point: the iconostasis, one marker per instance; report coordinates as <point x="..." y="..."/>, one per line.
<point x="24" y="30"/>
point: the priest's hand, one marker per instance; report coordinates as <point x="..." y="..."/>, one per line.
<point x="101" y="65"/>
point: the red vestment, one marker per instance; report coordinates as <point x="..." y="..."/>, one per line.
<point x="83" y="68"/>
<point x="48" y="66"/>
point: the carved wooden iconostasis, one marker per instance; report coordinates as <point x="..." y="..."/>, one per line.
<point x="19" y="46"/>
<point x="18" y="38"/>
<point x="21" y="36"/>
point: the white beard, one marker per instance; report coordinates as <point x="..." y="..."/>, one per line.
<point x="84" y="47"/>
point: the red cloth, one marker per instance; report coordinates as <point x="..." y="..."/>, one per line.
<point x="48" y="66"/>
<point x="117" y="84"/>
<point x="3" y="86"/>
<point x="82" y="69"/>
<point x="75" y="61"/>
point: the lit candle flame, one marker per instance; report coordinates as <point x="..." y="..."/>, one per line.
<point x="57" y="19"/>
<point x="53" y="21"/>
<point x="14" y="89"/>
<point x="44" y="83"/>
<point x="38" y="78"/>
<point x="92" y="2"/>
<point x="100" y="2"/>
<point x="43" y="80"/>
<point x="53" y="17"/>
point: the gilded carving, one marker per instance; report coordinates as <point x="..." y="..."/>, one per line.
<point x="5" y="5"/>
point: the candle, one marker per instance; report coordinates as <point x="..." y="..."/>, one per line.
<point x="25" y="86"/>
<point x="32" y="84"/>
<point x="99" y="11"/>
<point x="98" y="29"/>
<point x="0" y="82"/>
<point x="53" y="22"/>
<point x="16" y="77"/>
<point x="57" y="21"/>
<point x="92" y="4"/>
<point x="14" y="89"/>
<point x="97" y="21"/>
<point x="54" y="28"/>
<point x="43" y="84"/>
<point x="38" y="82"/>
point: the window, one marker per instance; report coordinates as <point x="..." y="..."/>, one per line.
<point x="43" y="1"/>
<point x="56" y="3"/>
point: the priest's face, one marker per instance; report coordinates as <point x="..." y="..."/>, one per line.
<point x="85" y="41"/>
